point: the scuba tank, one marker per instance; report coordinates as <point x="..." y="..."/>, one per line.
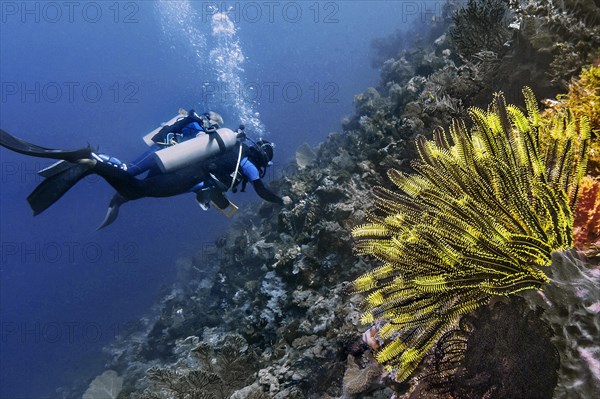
<point x="195" y="150"/>
<point x="174" y="155"/>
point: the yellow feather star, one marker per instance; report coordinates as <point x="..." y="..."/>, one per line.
<point x="478" y="218"/>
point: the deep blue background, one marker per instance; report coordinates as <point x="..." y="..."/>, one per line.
<point x="66" y="289"/>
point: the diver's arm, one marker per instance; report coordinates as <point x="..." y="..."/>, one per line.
<point x="265" y="193"/>
<point x="251" y="173"/>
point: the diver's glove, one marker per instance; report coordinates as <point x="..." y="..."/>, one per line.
<point x="287" y="201"/>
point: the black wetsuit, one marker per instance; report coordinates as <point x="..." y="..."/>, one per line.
<point x="180" y="181"/>
<point x="157" y="185"/>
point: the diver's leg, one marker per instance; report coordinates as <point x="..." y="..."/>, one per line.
<point x="126" y="185"/>
<point x="53" y="187"/>
<point x="106" y="159"/>
<point x="144" y="162"/>
<point x="61" y="177"/>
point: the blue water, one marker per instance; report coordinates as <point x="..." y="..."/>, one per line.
<point x="106" y="73"/>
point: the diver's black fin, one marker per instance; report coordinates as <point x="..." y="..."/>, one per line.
<point x="113" y="210"/>
<point x="23" y="147"/>
<point x="55" y="168"/>
<point x="52" y="188"/>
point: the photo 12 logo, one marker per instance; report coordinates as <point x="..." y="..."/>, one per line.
<point x="65" y="331"/>
<point x="326" y="12"/>
<point x="271" y="92"/>
<point x="52" y="12"/>
<point x="69" y="92"/>
<point x="55" y="252"/>
<point x="424" y="11"/>
<point x="28" y="172"/>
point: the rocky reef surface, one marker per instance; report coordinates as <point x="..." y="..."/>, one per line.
<point x="571" y="307"/>
<point x="269" y="314"/>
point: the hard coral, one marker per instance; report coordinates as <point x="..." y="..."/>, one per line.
<point x="480" y="218"/>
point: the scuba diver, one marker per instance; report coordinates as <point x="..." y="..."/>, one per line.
<point x="191" y="153"/>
